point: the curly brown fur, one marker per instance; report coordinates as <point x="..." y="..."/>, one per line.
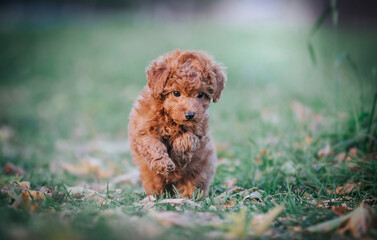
<point x="170" y="149"/>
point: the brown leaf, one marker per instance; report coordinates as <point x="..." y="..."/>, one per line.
<point x="370" y="201"/>
<point x="340" y="157"/>
<point x="357" y="222"/>
<point x="348" y="188"/>
<point x="11" y="169"/>
<point x="339" y="210"/>
<point x="324" y="151"/>
<point x="353" y="152"/>
<point x="228" y="204"/>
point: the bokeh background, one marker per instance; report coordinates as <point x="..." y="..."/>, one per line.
<point x="301" y="77"/>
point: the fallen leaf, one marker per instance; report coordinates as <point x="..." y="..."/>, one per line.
<point x="150" y="201"/>
<point x="180" y="202"/>
<point x="339" y="210"/>
<point x="348" y="188"/>
<point x="23" y="184"/>
<point x="301" y="112"/>
<point x="220" y="199"/>
<point x="308" y="140"/>
<point x="353" y="152"/>
<point x="261" y="223"/>
<point x="255" y="196"/>
<point x="88" y="165"/>
<point x="358" y="222"/>
<point x="185" y="219"/>
<point x="130" y="178"/>
<point x="11" y="169"/>
<point x="340" y="157"/>
<point x="231" y="182"/>
<point x="238" y="227"/>
<point x="147" y="203"/>
<point x="370" y="201"/>
<point x="228" y="204"/>
<point x="6" y="133"/>
<point x="324" y="151"/>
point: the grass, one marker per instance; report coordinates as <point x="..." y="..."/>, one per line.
<point x="66" y="84"/>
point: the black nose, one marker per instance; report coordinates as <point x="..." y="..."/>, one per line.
<point x="190" y="115"/>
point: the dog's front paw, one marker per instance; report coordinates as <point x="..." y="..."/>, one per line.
<point x="163" y="166"/>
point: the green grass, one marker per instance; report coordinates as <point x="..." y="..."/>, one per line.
<point x="67" y="83"/>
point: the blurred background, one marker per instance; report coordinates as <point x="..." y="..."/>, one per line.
<point x="72" y="69"/>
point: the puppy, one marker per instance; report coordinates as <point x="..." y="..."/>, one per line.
<point x="168" y="125"/>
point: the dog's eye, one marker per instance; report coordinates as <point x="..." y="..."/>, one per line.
<point x="176" y="94"/>
<point x="200" y="95"/>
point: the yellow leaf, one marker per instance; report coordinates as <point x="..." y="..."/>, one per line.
<point x="24" y="184"/>
<point x="261" y="223"/>
<point x="308" y="140"/>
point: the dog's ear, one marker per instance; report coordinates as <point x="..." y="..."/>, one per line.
<point x="220" y="79"/>
<point x="157" y="76"/>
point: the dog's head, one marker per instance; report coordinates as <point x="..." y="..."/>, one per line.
<point x="186" y="82"/>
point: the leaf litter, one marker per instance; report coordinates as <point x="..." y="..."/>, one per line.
<point x="357" y="223"/>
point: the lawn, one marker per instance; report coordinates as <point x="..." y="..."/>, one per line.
<point x="294" y="138"/>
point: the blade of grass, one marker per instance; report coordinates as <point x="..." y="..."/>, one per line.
<point x="312" y="53"/>
<point x="69" y="196"/>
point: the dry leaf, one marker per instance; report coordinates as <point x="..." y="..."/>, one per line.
<point x="357" y="222"/>
<point x="180" y="202"/>
<point x="308" y="140"/>
<point x="88" y="165"/>
<point x="147" y="203"/>
<point x="301" y="112"/>
<point x="238" y="227"/>
<point x="6" y="133"/>
<point x="353" y="152"/>
<point x="23" y="184"/>
<point x="261" y="223"/>
<point x="169" y="218"/>
<point x="11" y="169"/>
<point x="370" y="201"/>
<point x="339" y="210"/>
<point x="348" y="188"/>
<point x="231" y="182"/>
<point x="130" y="178"/>
<point x="324" y="151"/>
<point x="255" y="196"/>
<point x="228" y="204"/>
<point x="220" y="199"/>
<point x="340" y="157"/>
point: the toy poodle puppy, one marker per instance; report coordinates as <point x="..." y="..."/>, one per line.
<point x="168" y="127"/>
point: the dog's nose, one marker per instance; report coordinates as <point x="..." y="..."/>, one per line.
<point x="189" y="115"/>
